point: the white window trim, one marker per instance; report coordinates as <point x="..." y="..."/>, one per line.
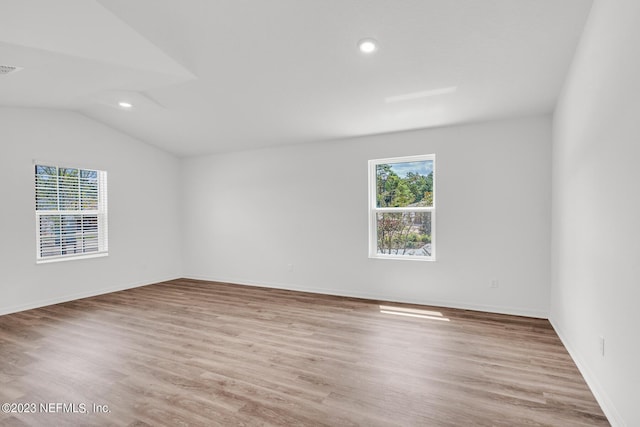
<point x="101" y="213"/>
<point x="374" y="210"/>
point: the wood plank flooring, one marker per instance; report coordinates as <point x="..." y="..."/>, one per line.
<point x="196" y="353"/>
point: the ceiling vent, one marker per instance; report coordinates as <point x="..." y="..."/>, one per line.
<point x="8" y="69"/>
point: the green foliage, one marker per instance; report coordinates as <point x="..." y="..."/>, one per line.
<point x="393" y="191"/>
<point x="402" y="195"/>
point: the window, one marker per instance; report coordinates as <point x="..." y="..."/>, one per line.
<point x="402" y="209"/>
<point x="71" y="213"/>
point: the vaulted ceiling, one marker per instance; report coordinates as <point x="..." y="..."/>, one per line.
<point x="208" y="76"/>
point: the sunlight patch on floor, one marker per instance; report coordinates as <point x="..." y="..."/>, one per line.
<point x="413" y="312"/>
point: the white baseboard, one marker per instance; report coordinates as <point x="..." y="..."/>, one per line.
<point x="610" y="411"/>
<point x="72" y="297"/>
<point x="376" y="296"/>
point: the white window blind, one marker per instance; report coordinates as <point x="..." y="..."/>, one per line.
<point x="71" y="213"/>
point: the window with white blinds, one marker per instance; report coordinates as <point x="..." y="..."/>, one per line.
<point x="71" y="213"/>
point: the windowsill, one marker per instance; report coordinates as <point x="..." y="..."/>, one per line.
<point x="403" y="258"/>
<point x="71" y="257"/>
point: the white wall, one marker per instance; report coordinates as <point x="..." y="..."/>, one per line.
<point x="596" y="209"/>
<point x="250" y="214"/>
<point x="144" y="236"/>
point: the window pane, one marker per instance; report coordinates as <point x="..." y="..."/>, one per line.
<point x="50" y="243"/>
<point x="68" y="189"/>
<point x="46" y="188"/>
<point x="90" y="233"/>
<point x="71" y="234"/>
<point x="404" y="233"/>
<point x="88" y="190"/>
<point x="404" y="184"/>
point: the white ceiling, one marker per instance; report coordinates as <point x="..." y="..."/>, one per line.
<point x="220" y="75"/>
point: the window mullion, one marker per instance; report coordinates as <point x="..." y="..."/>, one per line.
<point x="79" y="190"/>
<point x="58" y="185"/>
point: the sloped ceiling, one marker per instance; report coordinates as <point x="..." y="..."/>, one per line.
<point x="208" y="76"/>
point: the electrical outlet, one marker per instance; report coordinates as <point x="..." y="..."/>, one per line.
<point x="494" y="284"/>
<point x="290" y="267"/>
<point x="602" y="346"/>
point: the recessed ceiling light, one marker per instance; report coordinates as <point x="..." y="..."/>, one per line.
<point x="367" y="45"/>
<point x="125" y="104"/>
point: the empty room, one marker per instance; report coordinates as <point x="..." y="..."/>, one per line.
<point x="319" y="213"/>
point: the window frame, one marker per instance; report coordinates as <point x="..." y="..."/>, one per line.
<point x="101" y="213"/>
<point x="374" y="209"/>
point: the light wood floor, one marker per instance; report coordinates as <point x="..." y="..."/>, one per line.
<point x="199" y="353"/>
